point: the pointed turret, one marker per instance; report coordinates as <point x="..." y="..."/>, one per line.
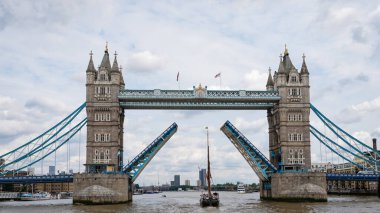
<point x="304" y="69"/>
<point x="281" y="68"/>
<point x="106" y="60"/>
<point x="91" y="71"/>
<point x="115" y="66"/>
<point x="270" y="83"/>
<point x="281" y="75"/>
<point x="288" y="65"/>
<point x="91" y="67"/>
<point x="304" y="72"/>
<point x="116" y="76"/>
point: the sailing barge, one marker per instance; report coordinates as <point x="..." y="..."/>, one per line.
<point x="209" y="199"/>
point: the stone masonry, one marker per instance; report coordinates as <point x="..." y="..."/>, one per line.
<point x="289" y="137"/>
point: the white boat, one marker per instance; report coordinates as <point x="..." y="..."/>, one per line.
<point x="240" y="189"/>
<point x="35" y="196"/>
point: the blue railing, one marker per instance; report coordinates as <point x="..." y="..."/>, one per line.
<point x="37" y="179"/>
<point x="135" y="167"/>
<point x="352" y="177"/>
<point x="259" y="163"/>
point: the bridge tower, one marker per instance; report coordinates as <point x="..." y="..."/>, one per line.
<point x="289" y="137"/>
<point x="105" y="116"/>
<point x="102" y="183"/>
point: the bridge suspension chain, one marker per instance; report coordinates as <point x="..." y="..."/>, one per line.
<point x="40" y="147"/>
<point x="346" y="146"/>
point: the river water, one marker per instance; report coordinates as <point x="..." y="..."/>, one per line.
<point x="189" y="202"/>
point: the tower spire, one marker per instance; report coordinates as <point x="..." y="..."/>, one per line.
<point x="304" y="69"/>
<point x="115" y="66"/>
<point x="106" y="59"/>
<point x="270" y="83"/>
<point x="281" y="68"/>
<point x="91" y="67"/>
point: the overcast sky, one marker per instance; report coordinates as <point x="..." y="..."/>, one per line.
<point x="44" y="53"/>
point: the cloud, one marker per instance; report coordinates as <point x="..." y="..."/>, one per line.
<point x="361" y="78"/>
<point x="368" y="106"/>
<point x="144" y="62"/>
<point x="255" y="79"/>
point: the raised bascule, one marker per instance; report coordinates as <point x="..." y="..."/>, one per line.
<point x="285" y="175"/>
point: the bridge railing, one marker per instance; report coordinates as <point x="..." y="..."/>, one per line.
<point x="259" y="163"/>
<point x="135" y="167"/>
<point x="37" y="179"/>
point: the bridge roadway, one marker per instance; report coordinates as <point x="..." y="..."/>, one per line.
<point x="69" y="178"/>
<point x="198" y="99"/>
<point x="37" y="179"/>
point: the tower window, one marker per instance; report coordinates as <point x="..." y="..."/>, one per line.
<point x="295" y="136"/>
<point x="102" y="77"/>
<point x="293" y="79"/>
<point x="294" y="92"/>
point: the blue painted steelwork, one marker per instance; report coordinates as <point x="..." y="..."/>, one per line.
<point x="37" y="179"/>
<point x="38" y="143"/>
<point x="321" y="137"/>
<point x="198" y="99"/>
<point x="136" y="166"/>
<point x="331" y="124"/>
<point x="63" y="139"/>
<point x="196" y="105"/>
<point x="352" y="177"/>
<point x="258" y="162"/>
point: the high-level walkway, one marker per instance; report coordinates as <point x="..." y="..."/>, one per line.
<point x="198" y="99"/>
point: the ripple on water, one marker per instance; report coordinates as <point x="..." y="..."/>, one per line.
<point x="189" y="202"/>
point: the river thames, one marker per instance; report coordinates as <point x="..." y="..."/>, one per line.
<point x="189" y="202"/>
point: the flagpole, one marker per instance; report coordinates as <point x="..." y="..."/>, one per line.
<point x="178" y="82"/>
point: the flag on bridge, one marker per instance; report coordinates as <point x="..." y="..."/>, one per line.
<point x="218" y="75"/>
<point x="177" y="76"/>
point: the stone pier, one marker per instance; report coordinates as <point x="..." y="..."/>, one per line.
<point x="296" y="187"/>
<point x="101" y="189"/>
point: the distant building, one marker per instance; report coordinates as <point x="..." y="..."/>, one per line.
<point x="199" y="183"/>
<point x="321" y="167"/>
<point x="187" y="182"/>
<point x="31" y="171"/>
<point x="202" y="177"/>
<point x="177" y="180"/>
<point x="172" y="183"/>
<point x="54" y="187"/>
<point x="71" y="171"/>
<point x="51" y="170"/>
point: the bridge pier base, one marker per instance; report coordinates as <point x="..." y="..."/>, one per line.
<point x="296" y="187"/>
<point x="101" y="189"/>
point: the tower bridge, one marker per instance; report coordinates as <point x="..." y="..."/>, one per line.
<point x="285" y="175"/>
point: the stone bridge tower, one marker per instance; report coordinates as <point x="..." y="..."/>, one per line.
<point x="105" y="116"/>
<point x="104" y="150"/>
<point x="289" y="136"/>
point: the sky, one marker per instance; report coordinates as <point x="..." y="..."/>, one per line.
<point x="44" y="53"/>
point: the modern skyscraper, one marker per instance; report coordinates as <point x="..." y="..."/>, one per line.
<point x="187" y="182"/>
<point x="51" y="170"/>
<point x="202" y="177"/>
<point x="177" y="181"/>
